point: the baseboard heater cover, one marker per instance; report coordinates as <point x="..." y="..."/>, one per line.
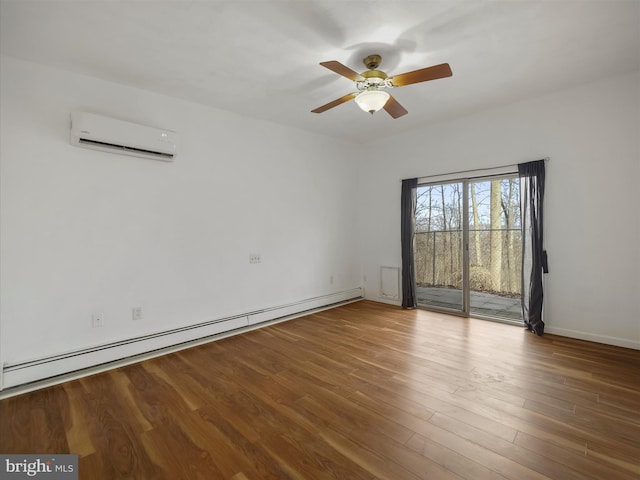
<point x="19" y="374"/>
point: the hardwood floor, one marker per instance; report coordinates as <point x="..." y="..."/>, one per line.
<point x="365" y="390"/>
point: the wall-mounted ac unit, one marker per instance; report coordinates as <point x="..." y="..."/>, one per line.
<point x="90" y="130"/>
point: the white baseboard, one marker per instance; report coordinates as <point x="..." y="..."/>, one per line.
<point x="57" y="368"/>
<point x="591" y="337"/>
<point x="397" y="303"/>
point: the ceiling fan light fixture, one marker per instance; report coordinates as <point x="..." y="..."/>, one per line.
<point x="372" y="100"/>
<point x="371" y="83"/>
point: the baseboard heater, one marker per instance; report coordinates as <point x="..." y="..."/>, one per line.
<point x="21" y="374"/>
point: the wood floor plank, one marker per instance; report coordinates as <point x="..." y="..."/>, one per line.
<point x="611" y="454"/>
<point x="77" y="433"/>
<point x="223" y="452"/>
<point x="239" y="476"/>
<point x="40" y="427"/>
<point x="485" y="459"/>
<point x="174" y="451"/>
<point x="112" y="433"/>
<point x="362" y="391"/>
<point x="427" y="405"/>
<point x="123" y="386"/>
<point x="576" y="460"/>
<point x="254" y="453"/>
<point x="360" y="453"/>
<point x="533" y="460"/>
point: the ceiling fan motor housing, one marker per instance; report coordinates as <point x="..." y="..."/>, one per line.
<point x="373" y="79"/>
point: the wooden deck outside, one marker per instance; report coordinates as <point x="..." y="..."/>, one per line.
<point x="361" y="391"/>
<point x="482" y="303"/>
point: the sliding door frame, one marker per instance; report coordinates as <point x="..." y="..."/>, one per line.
<point x="466" y="290"/>
<point x="466" y="297"/>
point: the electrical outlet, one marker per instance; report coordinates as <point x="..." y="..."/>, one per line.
<point x="97" y="320"/>
<point x="136" y="313"/>
<point x="254" y="258"/>
<point x="331" y="280"/>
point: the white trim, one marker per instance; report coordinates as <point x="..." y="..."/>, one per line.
<point x="104" y="357"/>
<point x="594" y="337"/>
<point x="397" y="303"/>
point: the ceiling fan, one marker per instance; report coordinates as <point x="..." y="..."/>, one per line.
<point x="370" y="84"/>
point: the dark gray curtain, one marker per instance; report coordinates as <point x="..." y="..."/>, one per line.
<point x="407" y="219"/>
<point x="534" y="257"/>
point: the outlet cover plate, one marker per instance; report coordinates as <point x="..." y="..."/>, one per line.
<point x="97" y="320"/>
<point x="136" y="313"/>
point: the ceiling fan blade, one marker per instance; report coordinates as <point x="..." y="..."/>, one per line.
<point x="423" y="75"/>
<point x="335" y="103"/>
<point x="393" y="108"/>
<point x="343" y="70"/>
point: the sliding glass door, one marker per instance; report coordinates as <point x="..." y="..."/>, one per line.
<point x="438" y="253"/>
<point x="495" y="248"/>
<point x="468" y="248"/>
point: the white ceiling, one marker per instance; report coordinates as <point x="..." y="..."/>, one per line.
<point x="260" y="58"/>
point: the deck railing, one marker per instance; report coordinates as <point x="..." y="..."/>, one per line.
<point x="438" y="260"/>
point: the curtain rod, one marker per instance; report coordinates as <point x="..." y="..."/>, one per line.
<point x="514" y="165"/>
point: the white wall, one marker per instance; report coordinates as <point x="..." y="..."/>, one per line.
<point x="591" y="134"/>
<point x="85" y="232"/>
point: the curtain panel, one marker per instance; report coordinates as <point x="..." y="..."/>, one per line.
<point x="407" y="220"/>
<point x="534" y="257"/>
